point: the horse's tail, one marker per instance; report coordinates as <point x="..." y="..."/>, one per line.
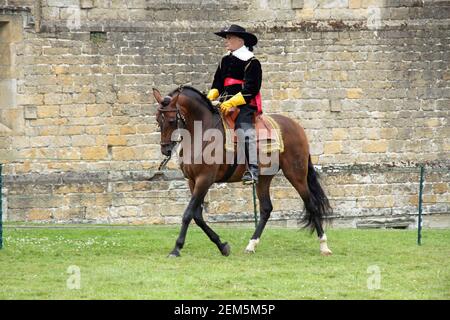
<point x="318" y="207"/>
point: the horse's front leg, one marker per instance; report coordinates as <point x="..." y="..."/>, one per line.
<point x="223" y="247"/>
<point x="202" y="184"/>
<point x="187" y="218"/>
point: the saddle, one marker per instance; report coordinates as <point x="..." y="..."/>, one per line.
<point x="268" y="132"/>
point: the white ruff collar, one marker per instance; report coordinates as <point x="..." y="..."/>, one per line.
<point x="243" y="53"/>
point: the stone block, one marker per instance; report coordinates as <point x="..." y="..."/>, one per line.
<point x="124" y="211"/>
<point x="65" y="214"/>
<point x="116" y="141"/>
<point x="95" y="213"/>
<point x="57" y="98"/>
<point x="124" y="130"/>
<point x="354" y="4"/>
<point x="30" y="113"/>
<point x="372" y="3"/>
<point x="86" y="4"/>
<point x="39" y="214"/>
<point x="340" y="133"/>
<point x="83" y="140"/>
<point x="375" y="146"/>
<point x="354" y="93"/>
<point x="70" y="110"/>
<point x="46" y="112"/>
<point x="335" y="105"/>
<point x="94" y="153"/>
<point x="332" y="147"/>
<point x="123" y="153"/>
<point x="98" y="109"/>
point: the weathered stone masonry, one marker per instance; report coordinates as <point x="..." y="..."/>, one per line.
<point x="368" y="79"/>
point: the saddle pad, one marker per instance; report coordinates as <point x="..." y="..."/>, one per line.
<point x="268" y="134"/>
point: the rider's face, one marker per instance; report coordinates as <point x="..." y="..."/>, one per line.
<point x="233" y="42"/>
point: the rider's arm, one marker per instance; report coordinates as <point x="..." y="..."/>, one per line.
<point x="253" y="79"/>
<point x="217" y="85"/>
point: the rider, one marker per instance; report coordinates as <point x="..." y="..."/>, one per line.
<point x="238" y="79"/>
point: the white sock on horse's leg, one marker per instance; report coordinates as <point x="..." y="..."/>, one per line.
<point x="324" y="250"/>
<point x="252" y="245"/>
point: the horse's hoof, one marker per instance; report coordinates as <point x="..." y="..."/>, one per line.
<point x="226" y="249"/>
<point x="326" y="252"/>
<point x="173" y="254"/>
<point x="251" y="247"/>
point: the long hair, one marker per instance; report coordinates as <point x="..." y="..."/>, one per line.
<point x="318" y="206"/>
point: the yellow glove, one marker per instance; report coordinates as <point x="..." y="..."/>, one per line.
<point x="234" y="101"/>
<point x="213" y="94"/>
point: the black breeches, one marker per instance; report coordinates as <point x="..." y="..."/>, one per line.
<point x="245" y="115"/>
<point x="246" y="134"/>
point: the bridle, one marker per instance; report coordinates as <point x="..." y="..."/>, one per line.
<point x="181" y="124"/>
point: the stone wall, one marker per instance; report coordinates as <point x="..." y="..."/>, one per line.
<point x="369" y="80"/>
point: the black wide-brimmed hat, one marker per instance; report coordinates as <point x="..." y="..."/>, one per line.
<point x="249" y="38"/>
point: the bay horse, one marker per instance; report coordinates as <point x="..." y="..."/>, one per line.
<point x="185" y="106"/>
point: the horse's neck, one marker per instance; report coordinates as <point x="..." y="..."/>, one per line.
<point x="208" y="119"/>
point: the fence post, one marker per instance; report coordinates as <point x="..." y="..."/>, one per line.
<point x="419" y="222"/>
<point x="1" y="208"/>
<point x="254" y="205"/>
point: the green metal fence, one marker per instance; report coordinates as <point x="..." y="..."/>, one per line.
<point x="421" y="170"/>
<point x="1" y="208"/>
<point x="419" y="220"/>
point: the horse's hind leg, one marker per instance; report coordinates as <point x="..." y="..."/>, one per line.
<point x="313" y="215"/>
<point x="265" y="208"/>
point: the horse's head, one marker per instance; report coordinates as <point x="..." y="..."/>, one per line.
<point x="167" y="116"/>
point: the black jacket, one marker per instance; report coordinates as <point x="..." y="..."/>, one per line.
<point x="233" y="67"/>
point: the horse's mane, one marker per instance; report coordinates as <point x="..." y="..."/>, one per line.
<point x="193" y="92"/>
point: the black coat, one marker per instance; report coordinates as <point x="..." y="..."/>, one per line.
<point x="233" y="67"/>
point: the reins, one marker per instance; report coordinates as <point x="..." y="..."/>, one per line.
<point x="181" y="124"/>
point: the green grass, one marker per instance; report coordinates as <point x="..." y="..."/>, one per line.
<point x="131" y="263"/>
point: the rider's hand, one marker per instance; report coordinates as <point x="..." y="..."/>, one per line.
<point x="234" y="101"/>
<point x="213" y="94"/>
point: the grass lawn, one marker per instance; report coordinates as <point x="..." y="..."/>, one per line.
<point x="131" y="263"/>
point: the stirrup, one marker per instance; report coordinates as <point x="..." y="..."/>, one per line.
<point x="249" y="178"/>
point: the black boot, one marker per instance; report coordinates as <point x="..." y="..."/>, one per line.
<point x="252" y="173"/>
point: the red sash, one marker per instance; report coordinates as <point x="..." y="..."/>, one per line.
<point x="256" y="101"/>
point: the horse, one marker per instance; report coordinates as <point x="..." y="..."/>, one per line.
<point x="185" y="106"/>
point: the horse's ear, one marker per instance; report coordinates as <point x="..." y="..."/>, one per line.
<point x="157" y="95"/>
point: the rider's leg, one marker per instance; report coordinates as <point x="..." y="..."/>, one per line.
<point x="247" y="136"/>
